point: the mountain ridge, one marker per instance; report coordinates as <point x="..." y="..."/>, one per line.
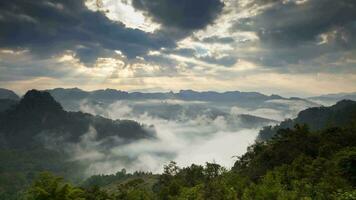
<point x="182" y="94"/>
<point x="333" y="98"/>
<point x="341" y="114"/>
<point x="8" y="94"/>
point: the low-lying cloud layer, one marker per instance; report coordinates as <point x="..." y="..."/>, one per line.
<point x="209" y="133"/>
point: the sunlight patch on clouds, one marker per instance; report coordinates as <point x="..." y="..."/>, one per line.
<point x="12" y="52"/>
<point x="243" y="65"/>
<point x="102" y="69"/>
<point x="192" y="60"/>
<point x="123" y="11"/>
<point x="220" y="29"/>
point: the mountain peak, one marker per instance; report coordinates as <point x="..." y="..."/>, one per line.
<point x="39" y="101"/>
<point x="344" y="103"/>
<point x="8" y="94"/>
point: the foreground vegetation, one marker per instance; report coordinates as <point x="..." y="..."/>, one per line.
<point x="295" y="164"/>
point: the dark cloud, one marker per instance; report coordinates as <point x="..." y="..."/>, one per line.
<point x="50" y="27"/>
<point x="186" y="52"/>
<point x="292" y="30"/>
<point x="23" y="67"/>
<point x="289" y="23"/>
<point x="226" y="61"/>
<point x="181" y="16"/>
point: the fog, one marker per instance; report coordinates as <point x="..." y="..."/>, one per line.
<point x="186" y="132"/>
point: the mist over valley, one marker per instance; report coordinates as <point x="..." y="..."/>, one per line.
<point x="144" y="131"/>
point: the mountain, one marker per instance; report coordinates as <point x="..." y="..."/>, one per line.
<point x="38" y="115"/>
<point x="330" y="99"/>
<point x="8" y="98"/>
<point x="185" y="103"/>
<point x="36" y="135"/>
<point x="189" y="95"/>
<point x="250" y="121"/>
<point x="8" y="94"/>
<point x="72" y="93"/>
<point x="110" y="95"/>
<point x="342" y="114"/>
<point x="6" y="104"/>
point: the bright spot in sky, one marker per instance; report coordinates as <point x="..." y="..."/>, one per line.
<point x="117" y="10"/>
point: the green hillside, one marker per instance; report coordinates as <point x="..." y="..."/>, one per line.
<point x="342" y="114"/>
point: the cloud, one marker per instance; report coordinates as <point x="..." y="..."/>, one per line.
<point x="49" y="28"/>
<point x="301" y="32"/>
<point x="293" y="21"/>
<point x="216" y="39"/>
<point x="181" y="16"/>
<point x="123" y="11"/>
<point x="270" y="46"/>
<point x="186" y="138"/>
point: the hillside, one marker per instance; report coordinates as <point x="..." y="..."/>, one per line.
<point x="341" y="114"/>
<point x="36" y="135"/>
<point x="38" y="113"/>
<point x="6" y="104"/>
<point x="8" y="94"/>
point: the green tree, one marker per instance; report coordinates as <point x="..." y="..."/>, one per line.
<point x="50" y="187"/>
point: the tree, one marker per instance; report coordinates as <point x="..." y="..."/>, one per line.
<point x="49" y="187"/>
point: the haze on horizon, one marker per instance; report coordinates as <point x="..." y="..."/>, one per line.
<point x="287" y="47"/>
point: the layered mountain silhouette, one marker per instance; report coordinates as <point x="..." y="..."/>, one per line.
<point x="65" y="96"/>
<point x="342" y="114"/>
<point x="38" y="115"/>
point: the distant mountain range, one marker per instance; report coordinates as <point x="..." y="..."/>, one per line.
<point x="189" y="104"/>
<point x="187" y="95"/>
<point x="72" y="99"/>
<point x="330" y="99"/>
<point x="70" y="94"/>
<point x="67" y="96"/>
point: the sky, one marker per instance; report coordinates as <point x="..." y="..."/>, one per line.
<point x="286" y="47"/>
